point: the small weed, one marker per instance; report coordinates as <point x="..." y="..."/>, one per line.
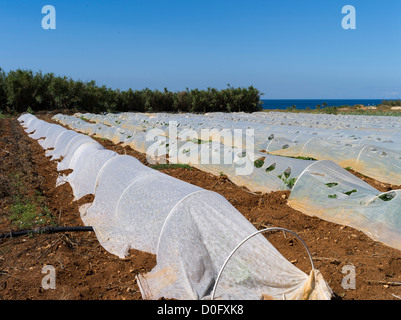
<point x="27" y="215"/>
<point x="170" y="166"/>
<point x="304" y="158"/>
<point x="27" y="211"/>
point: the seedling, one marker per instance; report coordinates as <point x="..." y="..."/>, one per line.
<point x="348" y="193"/>
<point x="259" y="163"/>
<point x="387" y="196"/>
<point x="332" y="184"/>
<point x="271" y="168"/>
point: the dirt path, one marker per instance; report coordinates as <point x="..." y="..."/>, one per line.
<point x="86" y="271"/>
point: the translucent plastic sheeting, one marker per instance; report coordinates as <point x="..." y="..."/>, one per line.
<point x="258" y="172"/>
<point x="373" y="161"/>
<point x="142" y="141"/>
<point x="271" y="173"/>
<point x="51" y="136"/>
<point x="60" y="145"/>
<point x="278" y="119"/>
<point x="190" y="230"/>
<point x="26" y="119"/>
<point x="363" y="150"/>
<point x="316" y="124"/>
<point x="39" y="130"/>
<point x="32" y="124"/>
<point x="80" y="153"/>
<point x="381" y="131"/>
<point x="73" y="145"/>
<point x="113" y="181"/>
<point x="345" y="122"/>
<point x="331" y="193"/>
<point x="257" y="269"/>
<point x="86" y="162"/>
<point x="138" y="140"/>
<point x="99" y="130"/>
<point x="83" y="178"/>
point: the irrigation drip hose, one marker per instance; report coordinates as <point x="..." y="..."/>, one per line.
<point x="46" y="230"/>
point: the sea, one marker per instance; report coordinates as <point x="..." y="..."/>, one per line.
<point x="312" y="103"/>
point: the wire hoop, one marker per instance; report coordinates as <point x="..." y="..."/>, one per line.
<point x="249" y="237"/>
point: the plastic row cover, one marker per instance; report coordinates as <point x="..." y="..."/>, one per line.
<point x="376" y="162"/>
<point x="73" y="150"/>
<point x="338" y="196"/>
<point x="371" y="145"/>
<point x="380" y="129"/>
<point x="343" y="198"/>
<point x="191" y="231"/>
<point x="286" y="121"/>
<point x="259" y="172"/>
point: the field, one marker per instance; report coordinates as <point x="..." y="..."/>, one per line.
<point x="86" y="271"/>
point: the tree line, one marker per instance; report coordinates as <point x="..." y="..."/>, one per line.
<point x="25" y="90"/>
<point x="392" y="103"/>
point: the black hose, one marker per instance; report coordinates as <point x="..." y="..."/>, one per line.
<point x="46" y="230"/>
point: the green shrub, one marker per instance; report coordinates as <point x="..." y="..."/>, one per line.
<point x="22" y="88"/>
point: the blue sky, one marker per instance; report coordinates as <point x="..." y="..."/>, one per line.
<point x="288" y="49"/>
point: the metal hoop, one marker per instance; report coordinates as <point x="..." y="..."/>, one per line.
<point x="249" y="237"/>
